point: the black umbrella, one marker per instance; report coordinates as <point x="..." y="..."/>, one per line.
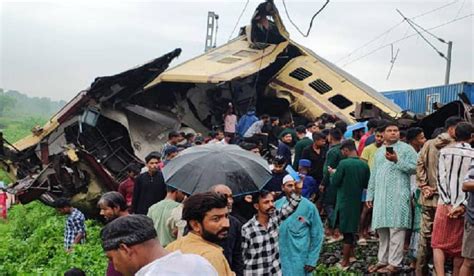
<point x="198" y="168"/>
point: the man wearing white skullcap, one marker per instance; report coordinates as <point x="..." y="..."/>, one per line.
<point x="301" y="234"/>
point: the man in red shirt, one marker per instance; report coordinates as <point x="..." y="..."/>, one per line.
<point x="126" y="187"/>
<point x="371" y="126"/>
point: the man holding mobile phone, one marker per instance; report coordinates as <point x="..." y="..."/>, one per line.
<point x="389" y="196"/>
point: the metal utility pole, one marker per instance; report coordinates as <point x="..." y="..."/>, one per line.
<point x="211" y="32"/>
<point x="448" y="63"/>
<point x="450" y="45"/>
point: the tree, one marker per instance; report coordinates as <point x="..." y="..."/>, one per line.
<point x="6" y="102"/>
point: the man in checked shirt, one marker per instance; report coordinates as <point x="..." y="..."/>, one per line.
<point x="75" y="230"/>
<point x="260" y="234"/>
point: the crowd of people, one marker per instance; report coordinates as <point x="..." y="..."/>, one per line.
<point x="376" y="183"/>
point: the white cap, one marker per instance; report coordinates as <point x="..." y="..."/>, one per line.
<point x="288" y="178"/>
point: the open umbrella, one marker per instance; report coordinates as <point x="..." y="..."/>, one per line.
<point x="198" y="168"/>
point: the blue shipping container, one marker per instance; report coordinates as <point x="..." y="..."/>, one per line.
<point x="421" y="100"/>
<point x="400" y="98"/>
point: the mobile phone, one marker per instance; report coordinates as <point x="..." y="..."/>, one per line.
<point x="389" y="150"/>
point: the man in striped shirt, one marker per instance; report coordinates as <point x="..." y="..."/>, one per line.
<point x="448" y="227"/>
<point x="467" y="243"/>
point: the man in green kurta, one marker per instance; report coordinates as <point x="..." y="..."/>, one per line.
<point x="303" y="142"/>
<point x="333" y="157"/>
<point x="350" y="179"/>
<point x="389" y="195"/>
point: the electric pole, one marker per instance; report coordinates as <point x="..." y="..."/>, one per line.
<point x="211" y="32"/>
<point x="448" y="63"/>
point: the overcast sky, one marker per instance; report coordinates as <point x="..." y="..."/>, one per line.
<point x="55" y="49"/>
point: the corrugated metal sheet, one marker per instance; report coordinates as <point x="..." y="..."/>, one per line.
<point x="398" y="97"/>
<point x="421" y="100"/>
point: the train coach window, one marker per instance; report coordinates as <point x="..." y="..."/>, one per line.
<point x="300" y="73"/>
<point x="320" y="86"/>
<point x="340" y="101"/>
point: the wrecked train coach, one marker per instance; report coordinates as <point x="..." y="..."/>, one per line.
<point x="86" y="148"/>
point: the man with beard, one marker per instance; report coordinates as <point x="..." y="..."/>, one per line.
<point x="149" y="186"/>
<point x="233" y="244"/>
<point x="160" y="213"/>
<point x="388" y="194"/>
<point x="112" y="205"/>
<point x="131" y="245"/>
<point x="260" y="234"/>
<point x="300" y="235"/>
<point x="207" y="217"/>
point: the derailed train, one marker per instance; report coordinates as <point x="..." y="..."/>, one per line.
<point x="86" y="148"/>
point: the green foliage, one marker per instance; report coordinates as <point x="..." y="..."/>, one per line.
<point x="322" y="270"/>
<point x="20" y="105"/>
<point x="32" y="244"/>
<point x="6" y="103"/>
<point x="4" y="177"/>
<point x="16" y="128"/>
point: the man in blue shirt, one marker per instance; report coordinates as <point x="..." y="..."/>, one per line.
<point x="310" y="187"/>
<point x="284" y="148"/>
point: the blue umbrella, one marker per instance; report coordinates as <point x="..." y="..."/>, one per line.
<point x="358" y="125"/>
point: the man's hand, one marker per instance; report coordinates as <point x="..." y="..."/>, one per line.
<point x="321" y="188"/>
<point x="457" y="212"/>
<point x="331" y="170"/>
<point x="391" y="156"/>
<point x="309" y="268"/>
<point x="369" y="204"/>
<point x="428" y="192"/>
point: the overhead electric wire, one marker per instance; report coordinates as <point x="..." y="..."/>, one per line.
<point x="426" y="31"/>
<point x="395" y="26"/>
<point x="435" y="9"/>
<point x="310" y="23"/>
<point x="460" y="9"/>
<point x="422" y="36"/>
<point x="238" y="20"/>
<point x="406" y="37"/>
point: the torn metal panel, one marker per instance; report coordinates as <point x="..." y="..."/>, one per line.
<point x="437" y="119"/>
<point x="123" y="86"/>
<point x="34" y="139"/>
<point x="231" y="61"/>
<point x="146" y="135"/>
<point x="159" y="117"/>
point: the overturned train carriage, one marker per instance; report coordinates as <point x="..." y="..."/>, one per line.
<point x="86" y="148"/>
